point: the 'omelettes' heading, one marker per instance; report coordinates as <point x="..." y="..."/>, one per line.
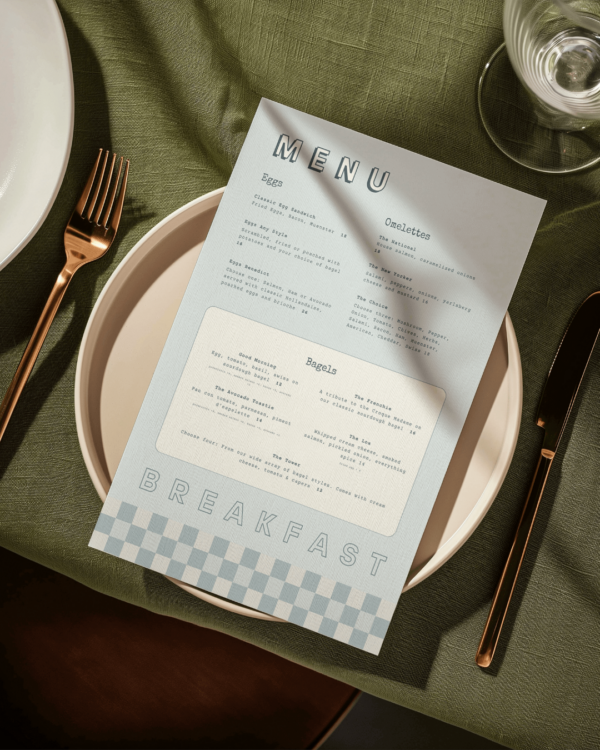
<point x="401" y="227"/>
<point x="347" y="169"/>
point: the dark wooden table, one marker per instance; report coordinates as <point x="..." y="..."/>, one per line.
<point x="79" y="669"/>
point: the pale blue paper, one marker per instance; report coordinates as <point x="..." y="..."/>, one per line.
<point x="475" y="227"/>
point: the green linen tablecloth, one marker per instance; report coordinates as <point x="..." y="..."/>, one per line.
<point x="173" y="85"/>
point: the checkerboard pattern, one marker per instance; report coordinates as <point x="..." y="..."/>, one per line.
<point x="243" y="575"/>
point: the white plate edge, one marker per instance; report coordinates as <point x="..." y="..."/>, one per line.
<point x="53" y="7"/>
<point x="106" y="291"/>
<point x="499" y="472"/>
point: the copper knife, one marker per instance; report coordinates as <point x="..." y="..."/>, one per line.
<point x="560" y="391"/>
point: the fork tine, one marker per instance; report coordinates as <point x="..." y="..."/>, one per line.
<point x="90" y="210"/>
<point x="116" y="215"/>
<point x="105" y="191"/>
<point x="88" y="186"/>
<point x="113" y="192"/>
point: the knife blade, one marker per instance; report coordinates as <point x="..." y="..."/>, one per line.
<point x="559" y="394"/>
<point x="567" y="371"/>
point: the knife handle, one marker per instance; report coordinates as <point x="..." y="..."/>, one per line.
<point x="508" y="579"/>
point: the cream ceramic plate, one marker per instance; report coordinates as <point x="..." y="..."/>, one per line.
<point x="36" y="117"/>
<point x="125" y="336"/>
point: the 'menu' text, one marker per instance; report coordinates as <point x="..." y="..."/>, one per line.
<point x="347" y="169"/>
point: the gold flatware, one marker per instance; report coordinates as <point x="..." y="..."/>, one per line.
<point x="556" y="403"/>
<point x="90" y="232"/>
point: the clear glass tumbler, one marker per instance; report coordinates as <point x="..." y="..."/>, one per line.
<point x="539" y="94"/>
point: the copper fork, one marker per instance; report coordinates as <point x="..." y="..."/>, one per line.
<point x="90" y="232"/>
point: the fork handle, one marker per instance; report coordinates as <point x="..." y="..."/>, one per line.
<point x="506" y="585"/>
<point x="35" y="344"/>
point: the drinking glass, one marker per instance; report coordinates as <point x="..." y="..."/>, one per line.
<point x="539" y="94"/>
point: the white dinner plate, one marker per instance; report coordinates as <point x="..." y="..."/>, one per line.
<point x="36" y="117"/>
<point x="125" y="336"/>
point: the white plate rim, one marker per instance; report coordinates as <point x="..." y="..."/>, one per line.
<point x="498" y="475"/>
<point x="442" y="554"/>
<point x="54" y="184"/>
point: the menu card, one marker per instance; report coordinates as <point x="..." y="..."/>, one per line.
<point x="318" y="374"/>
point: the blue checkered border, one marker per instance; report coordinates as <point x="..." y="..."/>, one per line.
<point x="243" y="575"/>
